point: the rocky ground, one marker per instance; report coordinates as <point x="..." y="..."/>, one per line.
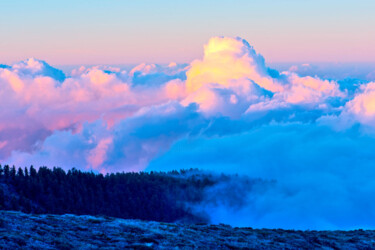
<point x="19" y="230"/>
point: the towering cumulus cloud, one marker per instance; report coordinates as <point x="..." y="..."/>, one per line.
<point x="227" y="112"/>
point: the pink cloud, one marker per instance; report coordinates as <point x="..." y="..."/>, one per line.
<point x="226" y="59"/>
<point x="97" y="156"/>
<point x="231" y="80"/>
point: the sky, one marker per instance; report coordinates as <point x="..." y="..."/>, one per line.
<point x="280" y="91"/>
<point x="131" y="32"/>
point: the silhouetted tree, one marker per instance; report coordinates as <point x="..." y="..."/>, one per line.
<point x="148" y="196"/>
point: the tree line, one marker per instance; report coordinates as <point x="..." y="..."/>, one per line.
<point x="154" y="196"/>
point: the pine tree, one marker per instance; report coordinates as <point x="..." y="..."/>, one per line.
<point x="32" y="171"/>
<point x="26" y="172"/>
<point x="13" y="173"/>
<point x="20" y="173"/>
<point x="6" y="172"/>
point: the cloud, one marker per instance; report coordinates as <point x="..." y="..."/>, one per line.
<point x="232" y="65"/>
<point x="227" y="112"/>
<point x="232" y="80"/>
<point x="323" y="180"/>
<point x="225" y="60"/>
<point x="33" y="68"/>
<point x="338" y="71"/>
<point x="155" y="75"/>
<point x="362" y="106"/>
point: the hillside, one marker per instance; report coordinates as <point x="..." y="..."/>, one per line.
<point x="151" y="196"/>
<point x="147" y="196"/>
<point x="19" y="230"/>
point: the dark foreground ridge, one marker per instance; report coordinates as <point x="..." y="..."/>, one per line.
<point x="19" y="230"/>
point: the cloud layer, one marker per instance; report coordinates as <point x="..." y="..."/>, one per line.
<point x="227" y="112"/>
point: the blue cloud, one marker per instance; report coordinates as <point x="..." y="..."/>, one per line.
<point x="324" y="179"/>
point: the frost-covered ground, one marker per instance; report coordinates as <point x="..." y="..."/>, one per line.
<point x="19" y="230"/>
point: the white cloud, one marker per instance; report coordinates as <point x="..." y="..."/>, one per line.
<point x="226" y="112"/>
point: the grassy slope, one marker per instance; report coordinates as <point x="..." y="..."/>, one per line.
<point x="19" y="230"/>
